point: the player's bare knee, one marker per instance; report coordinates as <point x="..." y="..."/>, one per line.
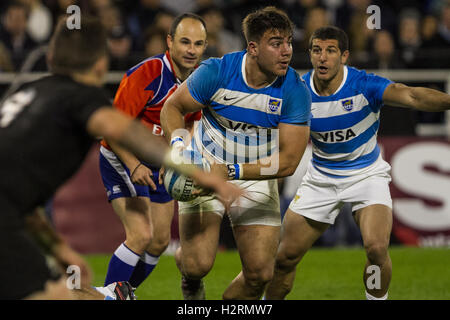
<point x="285" y="265"/>
<point x="286" y="261"/>
<point x="158" y="245"/>
<point x="377" y="253"/>
<point x="139" y="240"/>
<point x="258" y="278"/>
<point x="197" y="268"/>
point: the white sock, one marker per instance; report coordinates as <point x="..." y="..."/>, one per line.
<point x="371" y="297"/>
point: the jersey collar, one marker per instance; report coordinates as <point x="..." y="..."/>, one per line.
<point x="344" y="79"/>
<point x="245" y="78"/>
<point x="168" y="61"/>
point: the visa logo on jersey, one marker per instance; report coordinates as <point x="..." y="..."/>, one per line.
<point x="337" y="136"/>
<point x="347" y="104"/>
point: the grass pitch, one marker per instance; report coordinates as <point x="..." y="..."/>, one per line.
<point x="324" y="274"/>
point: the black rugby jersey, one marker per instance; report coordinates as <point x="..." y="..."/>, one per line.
<point x="43" y="138"/>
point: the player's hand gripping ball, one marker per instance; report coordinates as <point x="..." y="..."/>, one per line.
<point x="181" y="187"/>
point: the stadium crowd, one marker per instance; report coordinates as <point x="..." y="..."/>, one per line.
<point x="413" y="33"/>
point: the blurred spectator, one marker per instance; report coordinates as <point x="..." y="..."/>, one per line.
<point x="359" y="35"/>
<point x="298" y="12"/>
<point x="352" y="17"/>
<point x="298" y="9"/>
<point x="110" y="17"/>
<point x="315" y="18"/>
<point x="6" y="64"/>
<point x="40" y="21"/>
<point x="59" y="8"/>
<point x="399" y="5"/>
<point x="142" y="17"/>
<point x="220" y="40"/>
<point x="201" y="4"/>
<point x="181" y="6"/>
<point x="126" y="6"/>
<point x="429" y="29"/>
<point x="420" y="44"/>
<point x="155" y="42"/>
<point x="436" y="39"/>
<point x="444" y="25"/>
<point x="235" y="12"/>
<point x="332" y="6"/>
<point x="384" y="54"/>
<point x="409" y="38"/>
<point x="163" y="20"/>
<point x="14" y="33"/>
<point x="98" y="5"/>
<point x="120" y="53"/>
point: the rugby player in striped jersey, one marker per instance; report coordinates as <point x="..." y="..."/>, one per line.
<point x="346" y="166"/>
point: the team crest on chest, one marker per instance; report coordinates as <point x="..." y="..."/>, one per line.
<point x="274" y="104"/>
<point x="347" y="104"/>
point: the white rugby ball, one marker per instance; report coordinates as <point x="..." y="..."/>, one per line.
<point x="179" y="186"/>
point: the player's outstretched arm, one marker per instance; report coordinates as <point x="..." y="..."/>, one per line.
<point x="419" y="98"/>
<point x="128" y="133"/>
<point x="137" y="139"/>
<point x="177" y="105"/>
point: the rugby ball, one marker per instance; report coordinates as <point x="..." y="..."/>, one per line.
<point x="179" y="186"/>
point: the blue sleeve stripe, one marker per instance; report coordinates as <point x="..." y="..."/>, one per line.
<point x="253" y="117"/>
<point x="360" y="162"/>
<point x="238" y="137"/>
<point x="341" y="121"/>
<point x="165" y="82"/>
<point x="218" y="151"/>
<point x="348" y="146"/>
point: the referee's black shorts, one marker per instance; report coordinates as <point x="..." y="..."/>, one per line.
<point x="23" y="265"/>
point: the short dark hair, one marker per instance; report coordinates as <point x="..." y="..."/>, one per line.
<point x="77" y="50"/>
<point x="181" y="17"/>
<point x="330" y="32"/>
<point x="257" y="23"/>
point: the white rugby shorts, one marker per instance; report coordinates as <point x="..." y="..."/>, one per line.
<point x="321" y="197"/>
<point x="259" y="206"/>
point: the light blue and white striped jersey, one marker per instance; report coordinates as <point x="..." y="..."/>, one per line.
<point x="237" y="126"/>
<point x="344" y="125"/>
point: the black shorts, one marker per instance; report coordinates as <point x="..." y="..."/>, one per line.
<point x="23" y="265"/>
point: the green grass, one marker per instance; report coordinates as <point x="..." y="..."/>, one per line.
<point x="418" y="274"/>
